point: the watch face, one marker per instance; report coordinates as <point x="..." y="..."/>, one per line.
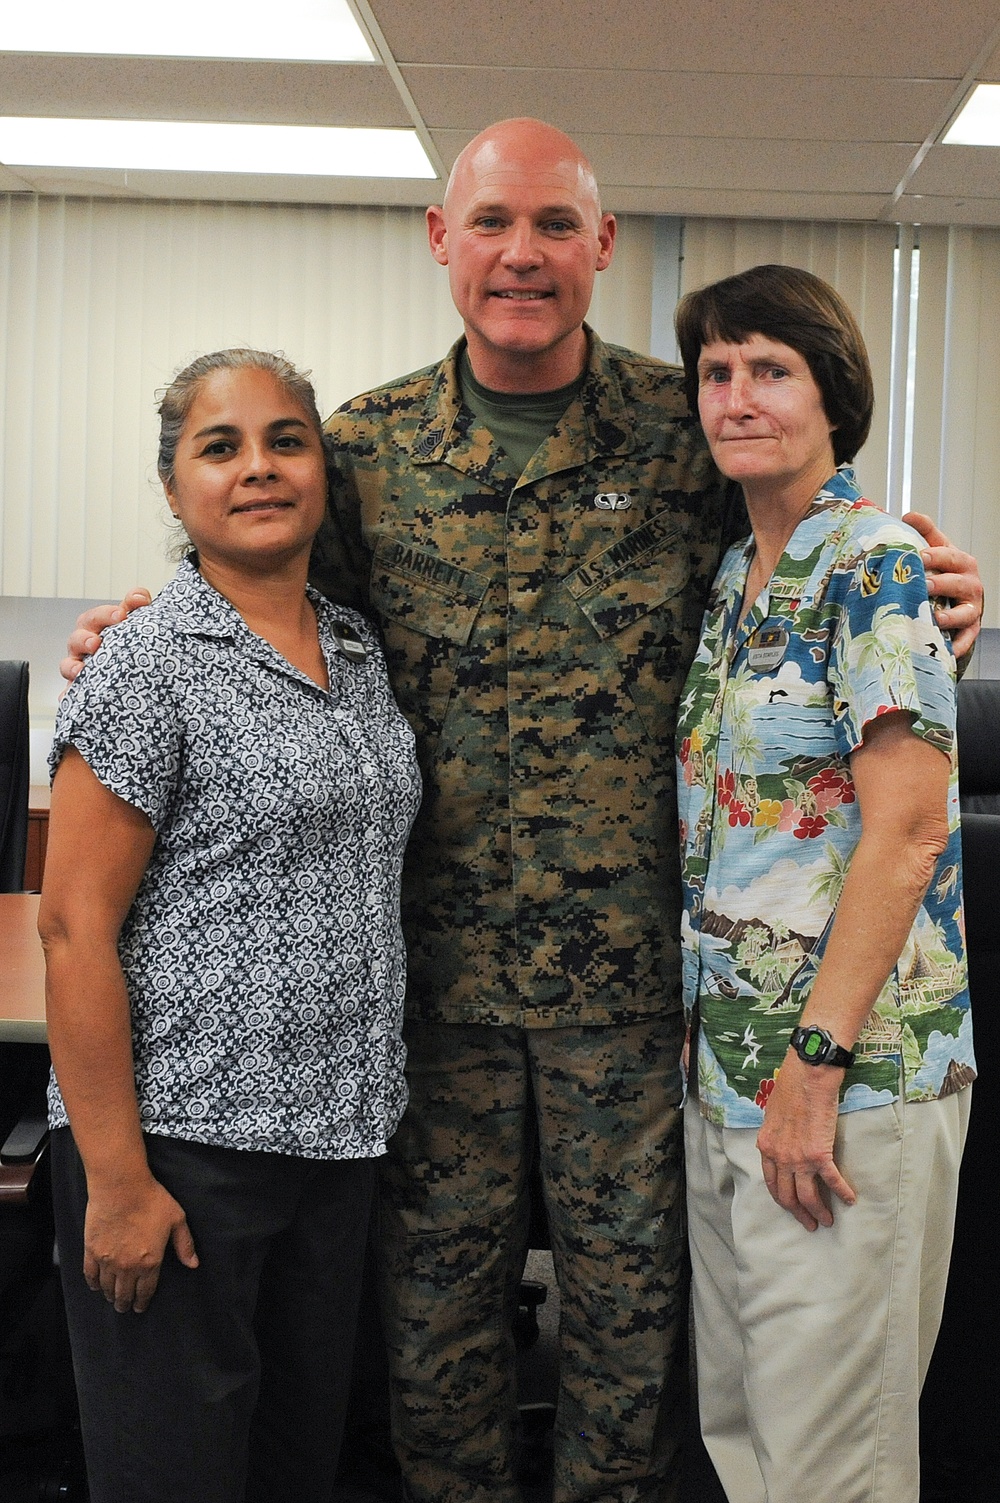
<point x="813" y="1045"/>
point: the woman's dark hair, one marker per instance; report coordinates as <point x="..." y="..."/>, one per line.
<point x="800" y="310"/>
<point x="175" y="402"/>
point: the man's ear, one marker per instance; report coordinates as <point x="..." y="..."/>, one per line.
<point x="606" y="231"/>
<point x="437" y="234"/>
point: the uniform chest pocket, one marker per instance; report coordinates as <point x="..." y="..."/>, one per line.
<point x="633" y="594"/>
<point x="638" y="574"/>
<point x="427" y="608"/>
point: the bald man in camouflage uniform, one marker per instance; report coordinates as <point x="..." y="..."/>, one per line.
<point x="539" y="620"/>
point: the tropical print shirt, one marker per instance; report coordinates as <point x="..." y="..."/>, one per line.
<point x="772" y="710"/>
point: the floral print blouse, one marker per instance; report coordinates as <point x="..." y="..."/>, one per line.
<point x="263" y="953"/>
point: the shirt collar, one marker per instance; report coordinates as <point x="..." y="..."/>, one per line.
<point x="195" y="608"/>
<point x="596" y="422"/>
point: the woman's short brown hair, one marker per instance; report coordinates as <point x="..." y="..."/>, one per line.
<point x="800" y="310"/>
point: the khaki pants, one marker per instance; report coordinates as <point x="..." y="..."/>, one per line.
<point x="812" y="1347"/>
<point x="603" y="1105"/>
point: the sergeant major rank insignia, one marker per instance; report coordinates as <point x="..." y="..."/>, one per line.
<point x="428" y="443"/>
<point x="612" y="501"/>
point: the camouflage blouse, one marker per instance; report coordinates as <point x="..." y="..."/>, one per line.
<point x="538" y="628"/>
<point x="770" y="715"/>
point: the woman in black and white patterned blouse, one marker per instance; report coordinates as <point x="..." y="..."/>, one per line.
<point x="233" y="788"/>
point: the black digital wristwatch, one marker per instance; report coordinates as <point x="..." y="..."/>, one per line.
<point x="814" y="1046"/>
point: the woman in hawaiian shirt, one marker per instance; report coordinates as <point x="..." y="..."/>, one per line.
<point x="233" y="788"/>
<point x="824" y="961"/>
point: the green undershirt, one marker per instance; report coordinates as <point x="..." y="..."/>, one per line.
<point x="518" y="421"/>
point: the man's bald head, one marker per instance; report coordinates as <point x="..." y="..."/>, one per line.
<point x="510" y="145"/>
<point x="522" y="234"/>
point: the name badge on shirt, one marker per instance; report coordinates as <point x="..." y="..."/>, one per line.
<point x="770" y="643"/>
<point x="349" y="643"/>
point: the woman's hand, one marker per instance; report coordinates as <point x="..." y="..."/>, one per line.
<point x="796" y="1142"/>
<point x="125" y="1237"/>
<point x="85" y="640"/>
<point x="952" y="576"/>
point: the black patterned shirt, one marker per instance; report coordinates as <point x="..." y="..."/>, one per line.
<point x="262" y="953"/>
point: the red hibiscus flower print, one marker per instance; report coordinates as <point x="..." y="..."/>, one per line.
<point x="764" y="1092"/>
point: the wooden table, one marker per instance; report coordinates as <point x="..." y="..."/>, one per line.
<point x="22" y="969"/>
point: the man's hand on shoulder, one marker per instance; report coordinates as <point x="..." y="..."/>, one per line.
<point x="86" y="639"/>
<point x="952" y="576"/>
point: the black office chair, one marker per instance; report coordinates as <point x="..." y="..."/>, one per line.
<point x="36" y="1392"/>
<point x="959" y="1441"/>
<point x="14" y="765"/>
<point x="23" y="1067"/>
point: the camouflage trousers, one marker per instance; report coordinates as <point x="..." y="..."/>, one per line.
<point x="603" y="1106"/>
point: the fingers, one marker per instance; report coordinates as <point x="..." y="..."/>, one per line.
<point x="183" y="1244"/>
<point x="837" y="1184"/>
<point x="127" y="1289"/>
<point x="91" y="623"/>
<point x="964" y="641"/>
<point x="91" y="1271"/>
<point x="145" y="1288"/>
<point x="86" y="638"/>
<point x="953" y="575"/>
<point x="929" y="531"/>
<point x="962" y="621"/>
<point x="796" y="1192"/>
<point x="802" y="1191"/>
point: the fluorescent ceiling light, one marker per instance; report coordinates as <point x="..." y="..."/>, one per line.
<point x="193" y="146"/>
<point x="979" y="122"/>
<point x="310" y="30"/>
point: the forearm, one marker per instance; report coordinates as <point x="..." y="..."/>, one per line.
<point x="90" y="1039"/>
<point x="882" y="893"/>
<point x="902" y="786"/>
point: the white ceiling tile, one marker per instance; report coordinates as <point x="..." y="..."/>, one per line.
<point x="990" y="72"/>
<point x="683" y="162"/>
<point x="226" y="187"/>
<point x="958" y="171"/>
<point x="13" y="182"/>
<point x="647" y="103"/>
<point x="937" y="39"/>
<point x="776" y="109"/>
<point x="736" y="204"/>
<point x="917" y="209"/>
<point x="197" y="89"/>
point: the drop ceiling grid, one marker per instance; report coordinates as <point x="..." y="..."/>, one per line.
<point x="762" y="108"/>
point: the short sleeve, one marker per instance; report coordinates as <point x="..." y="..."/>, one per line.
<point x="121" y="716"/>
<point x="887" y="651"/>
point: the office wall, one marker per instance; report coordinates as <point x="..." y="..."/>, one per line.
<point x="857" y="259"/>
<point x="956" y="428"/>
<point x="101" y="301"/>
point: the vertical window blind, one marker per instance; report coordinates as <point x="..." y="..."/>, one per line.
<point x="101" y="301"/>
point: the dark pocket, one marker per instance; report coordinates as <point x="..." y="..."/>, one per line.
<point x="427" y="608"/>
<point x="633" y="594"/>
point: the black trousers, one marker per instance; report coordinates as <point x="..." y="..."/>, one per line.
<point x="232" y="1386"/>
